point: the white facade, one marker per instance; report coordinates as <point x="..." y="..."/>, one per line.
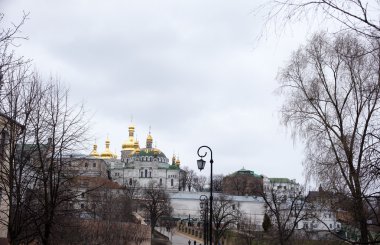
<point x="145" y="171"/>
<point x="188" y="203"/>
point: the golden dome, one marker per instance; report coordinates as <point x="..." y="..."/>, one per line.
<point x="156" y="151"/>
<point x="137" y="151"/>
<point x="107" y="153"/>
<point x="149" y="141"/>
<point x="94" y="152"/>
<point x="150" y="138"/>
<point x="177" y="162"/>
<point x="128" y="145"/>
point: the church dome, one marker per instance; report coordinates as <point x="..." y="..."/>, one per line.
<point x="107" y="153"/>
<point x="94" y="152"/>
<point x="128" y="144"/>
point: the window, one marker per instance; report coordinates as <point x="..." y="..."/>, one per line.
<point x="330" y="226"/>
<point x="86" y="164"/>
<point x="233" y="207"/>
<point x="160" y="181"/>
<point x="171" y="182"/>
<point x="82" y="195"/>
<point x="94" y="165"/>
<point x="141" y="174"/>
<point x="150" y="174"/>
<point x="146" y="173"/>
<point x="130" y="181"/>
<point x="82" y="206"/>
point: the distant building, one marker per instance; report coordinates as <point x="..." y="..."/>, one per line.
<point x="284" y="185"/>
<point x="140" y="165"/>
<point x="243" y="182"/>
<point x="188" y="203"/>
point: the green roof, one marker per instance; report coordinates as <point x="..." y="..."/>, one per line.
<point x="173" y="167"/>
<point x="244" y="171"/>
<point x="280" y="180"/>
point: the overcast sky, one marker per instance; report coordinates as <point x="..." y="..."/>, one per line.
<point x="193" y="70"/>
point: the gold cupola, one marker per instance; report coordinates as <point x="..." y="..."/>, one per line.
<point x="156" y="151"/>
<point x="107" y="153"/>
<point x="94" y="152"/>
<point x="177" y="162"/>
<point x="130" y="143"/>
<point x="149" y="141"/>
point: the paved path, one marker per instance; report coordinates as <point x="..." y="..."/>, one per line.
<point x="178" y="238"/>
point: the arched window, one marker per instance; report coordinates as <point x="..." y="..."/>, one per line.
<point x="160" y="181"/>
<point x="146" y="173"/>
<point x="141" y="174"/>
<point x="130" y="181"/>
<point x="150" y="174"/>
<point x="171" y="182"/>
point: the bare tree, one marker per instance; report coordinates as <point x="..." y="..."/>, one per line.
<point x="35" y="179"/>
<point x="189" y="178"/>
<point x="132" y="189"/>
<point x="156" y="204"/>
<point x="356" y="15"/>
<point x="226" y="215"/>
<point x="247" y="230"/>
<point x="331" y="87"/>
<point x="200" y="183"/>
<point x="217" y="183"/>
<point x="286" y="210"/>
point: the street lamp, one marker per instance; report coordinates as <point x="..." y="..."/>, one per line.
<point x="201" y="165"/>
<point x="204" y="210"/>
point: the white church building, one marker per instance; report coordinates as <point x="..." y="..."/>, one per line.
<point x="141" y="166"/>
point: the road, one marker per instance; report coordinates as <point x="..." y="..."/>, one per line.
<point x="178" y="239"/>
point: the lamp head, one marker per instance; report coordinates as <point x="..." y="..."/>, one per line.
<point x="201" y="164"/>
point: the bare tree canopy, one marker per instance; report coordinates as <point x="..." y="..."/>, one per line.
<point x="226" y="215"/>
<point x="200" y="183"/>
<point x="355" y="15"/>
<point x="285" y="210"/>
<point x="331" y="89"/>
<point x="156" y="204"/>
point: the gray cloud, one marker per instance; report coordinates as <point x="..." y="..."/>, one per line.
<point x="190" y="69"/>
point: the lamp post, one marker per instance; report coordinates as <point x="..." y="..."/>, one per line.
<point x="204" y="210"/>
<point x="201" y="165"/>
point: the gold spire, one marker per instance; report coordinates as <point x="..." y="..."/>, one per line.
<point x="173" y="159"/>
<point x="107" y="153"/>
<point x="94" y="152"/>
